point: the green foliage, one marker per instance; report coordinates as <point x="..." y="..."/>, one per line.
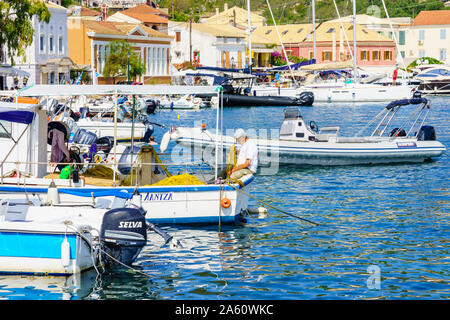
<point x="85" y="76"/>
<point x="16" y="28"/>
<point x="120" y="58"/>
<point x="299" y="11"/>
<point x="424" y="60"/>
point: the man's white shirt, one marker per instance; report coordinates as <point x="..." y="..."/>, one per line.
<point x="249" y="150"/>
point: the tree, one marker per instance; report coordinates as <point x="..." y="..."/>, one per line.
<point x="16" y="26"/>
<point x="122" y="61"/>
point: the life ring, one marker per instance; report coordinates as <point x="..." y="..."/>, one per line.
<point x="225" y="202"/>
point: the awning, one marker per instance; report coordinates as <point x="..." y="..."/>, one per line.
<point x="329" y="66"/>
<point x="13" y="72"/>
<point x="54" y="90"/>
<point x="14" y="112"/>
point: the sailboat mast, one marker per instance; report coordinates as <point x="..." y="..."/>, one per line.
<point x="250" y="60"/>
<point x="314" y="28"/>
<point x="355" y="56"/>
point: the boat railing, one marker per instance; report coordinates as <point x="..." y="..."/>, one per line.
<point x="17" y="175"/>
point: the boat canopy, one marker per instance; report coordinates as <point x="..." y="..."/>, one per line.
<point x="234" y="70"/>
<point x="293" y="66"/>
<point x="77" y="90"/>
<point x="17" y="112"/>
<point x="405" y="102"/>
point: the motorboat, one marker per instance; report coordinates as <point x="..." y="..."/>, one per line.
<point x="27" y="169"/>
<point x="183" y="102"/>
<point x="241" y="100"/>
<point x="302" y="143"/>
<point x="343" y="91"/>
<point x="46" y="236"/>
<point x="435" y="79"/>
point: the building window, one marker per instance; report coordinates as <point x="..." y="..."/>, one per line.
<point x="376" y="55"/>
<point x="421" y="35"/>
<point x="178" y="36"/>
<point x="60" y="45"/>
<point x="365" y="55"/>
<point x="388" y="55"/>
<point x="442" y="54"/>
<point x="401" y="37"/>
<point x="326" y="56"/>
<point x="443" y="34"/>
<point x="402" y="53"/>
<point x="421" y="53"/>
<point x="41" y="43"/>
<point x="50" y="44"/>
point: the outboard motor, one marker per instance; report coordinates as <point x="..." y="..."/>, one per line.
<point x="426" y="133"/>
<point x="151" y="106"/>
<point x="306" y="98"/>
<point x="123" y="233"/>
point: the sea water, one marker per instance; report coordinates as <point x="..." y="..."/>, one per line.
<point x="383" y="230"/>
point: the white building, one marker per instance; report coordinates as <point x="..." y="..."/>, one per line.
<point x="427" y="36"/>
<point x="46" y="59"/>
<point x="208" y="44"/>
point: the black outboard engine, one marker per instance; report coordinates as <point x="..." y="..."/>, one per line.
<point x="426" y="133"/>
<point x="151" y="106"/>
<point x="306" y="98"/>
<point x="123" y="234"/>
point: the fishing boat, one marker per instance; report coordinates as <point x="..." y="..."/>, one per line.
<point x="302" y="143"/>
<point x="25" y="166"/>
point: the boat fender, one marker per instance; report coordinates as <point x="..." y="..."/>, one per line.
<point x="225" y="202"/>
<point x="52" y="194"/>
<point x="65" y="253"/>
<point x="164" y="141"/>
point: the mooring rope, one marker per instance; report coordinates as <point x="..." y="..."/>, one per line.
<point x="270" y="206"/>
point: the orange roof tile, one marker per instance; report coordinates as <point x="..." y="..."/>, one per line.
<point x="145" y="9"/>
<point x="434" y="17"/>
<point x="86" y="12"/>
<point x="146" y="17"/>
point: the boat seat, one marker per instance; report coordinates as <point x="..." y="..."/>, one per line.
<point x="327" y="132"/>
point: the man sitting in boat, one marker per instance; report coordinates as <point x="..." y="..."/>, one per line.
<point x="247" y="161"/>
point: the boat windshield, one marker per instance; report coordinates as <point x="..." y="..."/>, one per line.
<point x="292" y="113"/>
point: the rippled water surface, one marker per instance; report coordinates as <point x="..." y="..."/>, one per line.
<point x="386" y="220"/>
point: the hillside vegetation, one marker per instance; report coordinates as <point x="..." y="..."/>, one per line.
<point x="299" y="11"/>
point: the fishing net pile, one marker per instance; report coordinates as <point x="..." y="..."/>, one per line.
<point x="177" y="180"/>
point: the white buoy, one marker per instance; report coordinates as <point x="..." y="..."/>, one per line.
<point x="52" y="194"/>
<point x="65" y="253"/>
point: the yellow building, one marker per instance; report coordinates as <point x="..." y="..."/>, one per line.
<point x="89" y="42"/>
<point x="235" y="16"/>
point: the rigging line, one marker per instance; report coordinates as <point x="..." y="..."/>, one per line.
<point x="281" y="42"/>
<point x="275" y="208"/>
<point x="343" y="29"/>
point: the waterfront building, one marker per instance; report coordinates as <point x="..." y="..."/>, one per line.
<point x="207" y="44"/>
<point x="427" y="36"/>
<point x="89" y="46"/>
<point x="47" y="58"/>
<point x="235" y="16"/>
<point x="143" y="14"/>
